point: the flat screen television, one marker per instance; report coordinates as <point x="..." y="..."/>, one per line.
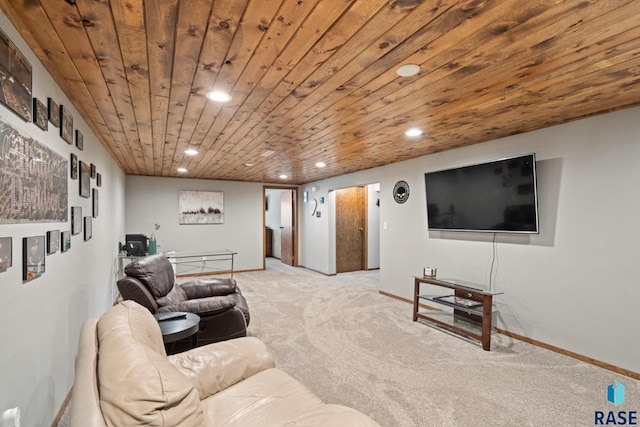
<point x="497" y="197"/>
<point x="137" y="244"/>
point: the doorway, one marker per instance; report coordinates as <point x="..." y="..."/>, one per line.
<point x="350" y="229"/>
<point x="280" y="224"/>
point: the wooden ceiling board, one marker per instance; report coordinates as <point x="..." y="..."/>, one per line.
<point x="316" y="80"/>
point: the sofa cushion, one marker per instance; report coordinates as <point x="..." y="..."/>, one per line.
<point x="154" y="272"/>
<point x="138" y="385"/>
<point x="175" y="296"/>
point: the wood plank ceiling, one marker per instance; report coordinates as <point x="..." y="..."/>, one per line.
<point x="315" y="80"/>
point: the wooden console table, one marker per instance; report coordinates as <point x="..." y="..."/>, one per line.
<point x="472" y="308"/>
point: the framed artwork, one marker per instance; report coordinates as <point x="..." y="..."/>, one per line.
<point x="95" y="202"/>
<point x="15" y="79"/>
<point x="98" y="179"/>
<point x="33" y="261"/>
<point x="85" y="179"/>
<point x="6" y="253"/>
<point x="74" y="166"/>
<point x="40" y="114"/>
<point x="87" y="228"/>
<point x="79" y="140"/>
<point x="53" y="241"/>
<point x="66" y="241"/>
<point x="93" y="171"/>
<point x="54" y="112"/>
<point x="201" y="207"/>
<point x="34" y="180"/>
<point x="76" y="218"/>
<point x="66" y="125"/>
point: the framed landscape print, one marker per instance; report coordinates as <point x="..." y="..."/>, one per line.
<point x="54" y="112"/>
<point x="66" y="125"/>
<point x="66" y="241"/>
<point x="33" y="261"/>
<point x="85" y="179"/>
<point x="76" y="220"/>
<point x="15" y="81"/>
<point x="6" y="253"/>
<point x="40" y="114"/>
<point x="88" y="232"/>
<point x="201" y="207"/>
<point x="53" y="241"/>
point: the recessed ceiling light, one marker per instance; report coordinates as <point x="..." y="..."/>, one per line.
<point x="408" y="70"/>
<point x="283" y="176"/>
<point x="219" y="96"/>
<point x="182" y="170"/>
<point x="190" y="152"/>
<point x="249" y="164"/>
<point x="413" y="132"/>
<point x="321" y="164"/>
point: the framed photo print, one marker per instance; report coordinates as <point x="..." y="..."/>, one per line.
<point x="54" y="112"/>
<point x="6" y="253"/>
<point x="66" y="125"/>
<point x="15" y="84"/>
<point x="95" y="202"/>
<point x="74" y="166"/>
<point x="79" y="140"/>
<point x="99" y="179"/>
<point x="66" y="241"/>
<point x="53" y="241"/>
<point x="76" y="220"/>
<point x="85" y="179"/>
<point x="40" y="114"/>
<point x="93" y="171"/>
<point x="87" y="228"/>
<point x="33" y="261"/>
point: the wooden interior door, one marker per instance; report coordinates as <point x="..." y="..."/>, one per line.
<point x="350" y="222"/>
<point x="286" y="227"/>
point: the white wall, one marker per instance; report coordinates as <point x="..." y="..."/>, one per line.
<point x="42" y="318"/>
<point x="273" y="219"/>
<point x="373" y="226"/>
<point x="571" y="286"/>
<point x="152" y="200"/>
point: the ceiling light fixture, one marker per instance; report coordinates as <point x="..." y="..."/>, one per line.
<point x="249" y="164"/>
<point x="283" y="176"/>
<point x="190" y="152"/>
<point x="321" y="164"/>
<point x="408" y="70"/>
<point x="219" y="96"/>
<point x="182" y="170"/>
<point x="413" y="132"/>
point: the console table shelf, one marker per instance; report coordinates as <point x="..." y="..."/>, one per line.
<point x="472" y="308"/>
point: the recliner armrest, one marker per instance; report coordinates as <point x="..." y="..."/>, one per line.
<point x="215" y="367"/>
<point x="209" y="287"/>
<point x="202" y="306"/>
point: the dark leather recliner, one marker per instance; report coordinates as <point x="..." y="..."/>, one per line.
<point x="222" y="308"/>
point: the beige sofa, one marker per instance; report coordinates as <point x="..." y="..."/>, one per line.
<point x="124" y="378"/>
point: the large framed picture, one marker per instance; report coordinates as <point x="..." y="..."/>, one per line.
<point x="6" y="253"/>
<point x="85" y="179"/>
<point x="201" y="207"/>
<point x="33" y="261"/>
<point x="15" y="79"/>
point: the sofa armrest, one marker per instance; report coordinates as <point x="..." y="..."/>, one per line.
<point x="215" y="367"/>
<point x="202" y="307"/>
<point x="209" y="287"/>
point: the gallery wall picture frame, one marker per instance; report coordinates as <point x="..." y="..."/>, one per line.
<point x="94" y="171"/>
<point x="94" y="203"/>
<point x="33" y="259"/>
<point x="98" y="179"/>
<point x="200" y="207"/>
<point x="53" y="241"/>
<point x="65" y="241"/>
<point x="79" y="140"/>
<point x="76" y="220"/>
<point x="66" y="125"/>
<point x="74" y="166"/>
<point x="88" y="229"/>
<point x="6" y="253"/>
<point x="17" y="78"/>
<point x="54" y="112"/>
<point x="40" y="114"/>
<point x="85" y="179"/>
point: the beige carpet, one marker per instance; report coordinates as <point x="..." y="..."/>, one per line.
<point x="352" y="346"/>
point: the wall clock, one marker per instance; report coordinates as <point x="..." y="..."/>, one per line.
<point x="313" y="205"/>
<point x="401" y="191"/>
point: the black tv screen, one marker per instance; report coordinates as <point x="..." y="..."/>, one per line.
<point x="497" y="197"/>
